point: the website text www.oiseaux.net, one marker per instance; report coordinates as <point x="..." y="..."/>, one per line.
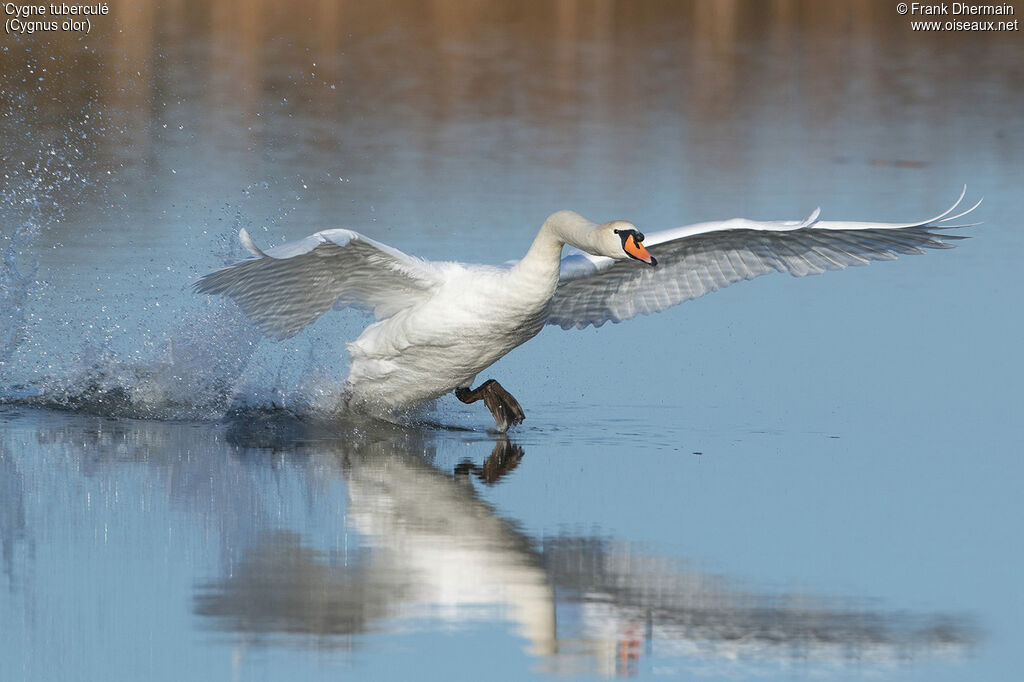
<point x="959" y="16"/>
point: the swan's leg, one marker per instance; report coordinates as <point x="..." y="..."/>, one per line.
<point x="503" y="406"/>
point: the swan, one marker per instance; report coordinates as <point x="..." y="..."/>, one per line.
<point x="439" y="324"/>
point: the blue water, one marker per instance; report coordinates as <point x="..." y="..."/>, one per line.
<point x="786" y="479"/>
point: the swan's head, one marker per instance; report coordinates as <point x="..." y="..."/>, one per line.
<point x="618" y="239"/>
<point x="621" y="240"/>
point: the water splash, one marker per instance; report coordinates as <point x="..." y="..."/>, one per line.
<point x="117" y="331"/>
<point x="201" y="360"/>
<point x="190" y="358"/>
<point x="97" y="253"/>
<point x="13" y="283"/>
<point x="33" y="196"/>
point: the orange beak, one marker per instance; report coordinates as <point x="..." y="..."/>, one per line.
<point x="635" y="249"/>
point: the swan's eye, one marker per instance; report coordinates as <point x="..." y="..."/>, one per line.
<point x="627" y="235"/>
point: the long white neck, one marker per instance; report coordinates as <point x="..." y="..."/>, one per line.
<point x="545" y="254"/>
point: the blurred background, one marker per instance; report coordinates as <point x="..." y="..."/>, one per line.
<point x="814" y="477"/>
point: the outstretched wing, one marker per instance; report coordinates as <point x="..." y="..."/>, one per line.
<point x="702" y="258"/>
<point x="285" y="288"/>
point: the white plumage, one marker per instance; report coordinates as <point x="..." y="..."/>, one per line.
<point x="440" y="323"/>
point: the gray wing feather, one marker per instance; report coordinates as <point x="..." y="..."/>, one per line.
<point x="699" y="259"/>
<point x="285" y="288"/>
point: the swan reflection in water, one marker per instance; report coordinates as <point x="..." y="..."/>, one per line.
<point x="432" y="551"/>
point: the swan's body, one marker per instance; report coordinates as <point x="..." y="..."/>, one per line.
<point x="441" y="323"/>
<point x="424" y="351"/>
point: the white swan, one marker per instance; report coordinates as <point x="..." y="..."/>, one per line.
<point x="439" y="324"/>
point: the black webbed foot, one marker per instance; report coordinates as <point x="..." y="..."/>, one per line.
<point x="506" y="410"/>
